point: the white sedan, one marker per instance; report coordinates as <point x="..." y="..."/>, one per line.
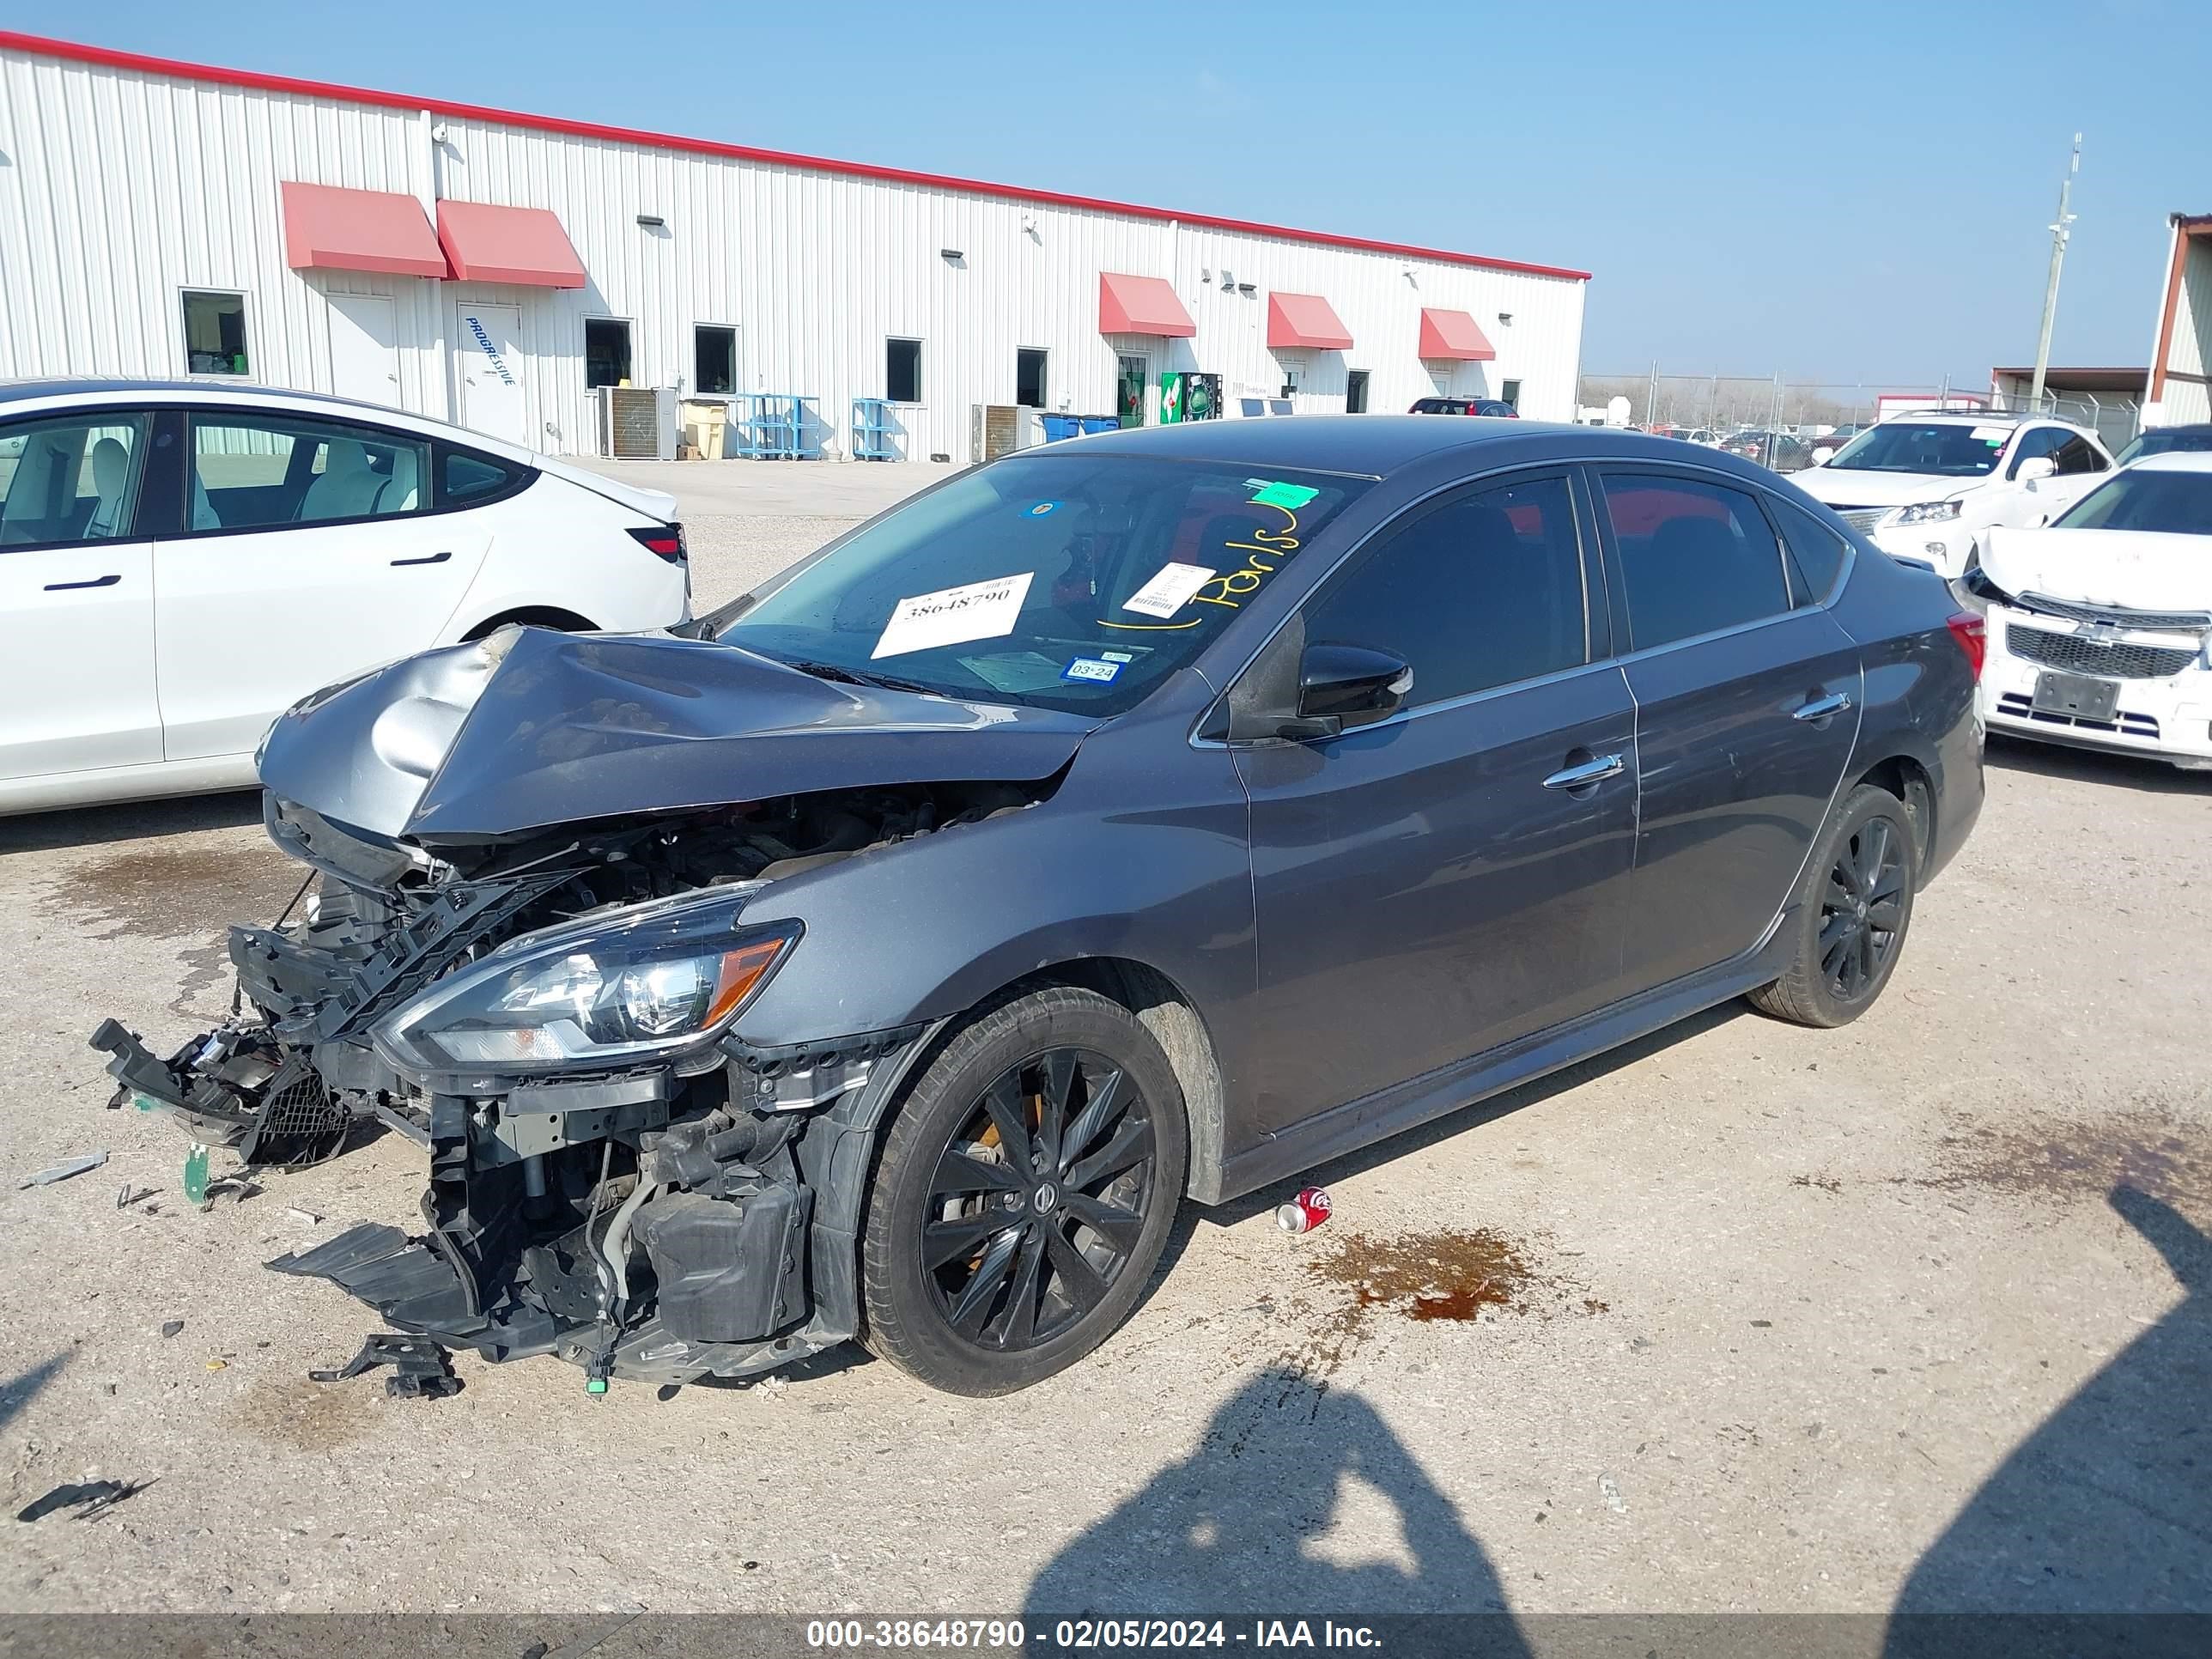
<point x="2098" y="626"/>
<point x="181" y="562"/>
<point x="1928" y="489"/>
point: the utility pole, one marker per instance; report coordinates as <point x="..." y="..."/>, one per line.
<point x="2059" y="232"/>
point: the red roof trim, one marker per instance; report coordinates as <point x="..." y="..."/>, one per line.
<point x="108" y="58"/>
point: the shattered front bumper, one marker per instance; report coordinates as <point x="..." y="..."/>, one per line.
<point x="725" y="1244"/>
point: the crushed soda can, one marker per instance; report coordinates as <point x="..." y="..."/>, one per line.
<point x="1306" y="1212"/>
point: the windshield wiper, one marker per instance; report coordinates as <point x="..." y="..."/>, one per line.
<point x="830" y="671"/>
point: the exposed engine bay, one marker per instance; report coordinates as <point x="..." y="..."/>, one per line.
<point x="614" y="1176"/>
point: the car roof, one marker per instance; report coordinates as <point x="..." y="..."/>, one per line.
<point x="2191" y="430"/>
<point x="29" y="395"/>
<point x="1378" y="446"/>
<point x="2174" y="460"/>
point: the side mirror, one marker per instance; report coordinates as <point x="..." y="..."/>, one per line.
<point x="1341" y="686"/>
<point x="2034" y="467"/>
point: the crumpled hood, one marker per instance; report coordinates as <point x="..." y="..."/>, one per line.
<point x="2140" y="570"/>
<point x="1850" y="487"/>
<point x="531" y="728"/>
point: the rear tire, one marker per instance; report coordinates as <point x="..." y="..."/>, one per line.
<point x="1023" y="1195"/>
<point x="1853" y="909"/>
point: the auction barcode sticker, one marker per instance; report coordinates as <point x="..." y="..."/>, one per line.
<point x="952" y="615"/>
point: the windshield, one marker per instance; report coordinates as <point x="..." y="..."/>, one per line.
<point x="2173" y="503"/>
<point x="2161" y="443"/>
<point x="1947" y="449"/>
<point x="1068" y="581"/>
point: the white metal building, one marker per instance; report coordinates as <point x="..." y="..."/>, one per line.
<point x="2179" y="390"/>
<point x="159" y="218"/>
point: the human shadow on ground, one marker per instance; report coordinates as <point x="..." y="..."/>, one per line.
<point x="2107" y="1508"/>
<point x="1244" y="1522"/>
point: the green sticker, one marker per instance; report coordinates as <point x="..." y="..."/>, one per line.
<point x="1288" y="496"/>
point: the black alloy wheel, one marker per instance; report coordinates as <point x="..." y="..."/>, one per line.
<point x="1038" y="1200"/>
<point x="1863" y="912"/>
<point x="1023" y="1193"/>
<point x="1847" y="921"/>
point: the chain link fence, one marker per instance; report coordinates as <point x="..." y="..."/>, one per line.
<point x="1789" y="424"/>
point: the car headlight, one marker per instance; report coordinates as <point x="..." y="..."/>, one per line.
<point x="641" y="983"/>
<point x="1927" y="512"/>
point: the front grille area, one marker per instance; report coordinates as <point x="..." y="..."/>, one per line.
<point x="2124" y="723"/>
<point x="2119" y="615"/>
<point x="1861" y="519"/>
<point x="2078" y="655"/>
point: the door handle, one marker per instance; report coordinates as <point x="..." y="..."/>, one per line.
<point x="97" y="581"/>
<point x="1596" y="769"/>
<point x="427" y="558"/>
<point x="1821" y="708"/>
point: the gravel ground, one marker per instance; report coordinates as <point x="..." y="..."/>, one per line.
<point x="1746" y="1317"/>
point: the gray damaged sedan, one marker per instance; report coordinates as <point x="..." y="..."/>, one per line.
<point x="1149" y="818"/>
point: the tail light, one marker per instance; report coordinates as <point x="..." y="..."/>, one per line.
<point x="1972" y="635"/>
<point x="666" y="539"/>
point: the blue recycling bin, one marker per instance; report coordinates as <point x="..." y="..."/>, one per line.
<point x="1057" y="427"/>
<point x="1091" y="423"/>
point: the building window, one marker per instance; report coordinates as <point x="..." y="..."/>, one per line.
<point x="215" y="333"/>
<point x="903" y="371"/>
<point x="606" y="351"/>
<point x="713" y="359"/>
<point x="1028" y="379"/>
<point x="1510" y="391"/>
<point x="1355" y="391"/>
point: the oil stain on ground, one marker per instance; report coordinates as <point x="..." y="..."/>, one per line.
<point x="2140" y="1145"/>
<point x="1359" y="1281"/>
<point x="171" y="891"/>
<point x="306" y="1416"/>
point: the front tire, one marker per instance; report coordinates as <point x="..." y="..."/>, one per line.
<point x="1023" y="1195"/>
<point x="1854" y="907"/>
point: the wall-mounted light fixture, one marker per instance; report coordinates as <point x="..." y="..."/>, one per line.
<point x="1228" y="281"/>
<point x="951" y="256"/>
<point x="1247" y="289"/>
<point x="651" y="222"/>
<point x="1507" y="318"/>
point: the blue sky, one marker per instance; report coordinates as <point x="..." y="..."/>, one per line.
<point x="1847" y="192"/>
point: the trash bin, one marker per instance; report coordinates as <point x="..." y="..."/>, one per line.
<point x="1091" y="423"/>
<point x="1057" y="427"/>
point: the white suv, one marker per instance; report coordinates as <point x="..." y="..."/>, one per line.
<point x="1926" y="488"/>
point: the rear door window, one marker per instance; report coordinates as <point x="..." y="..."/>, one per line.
<point x="1693" y="558"/>
<point x="253" y="471"/>
<point x="2078" y="454"/>
<point x="1481" y="590"/>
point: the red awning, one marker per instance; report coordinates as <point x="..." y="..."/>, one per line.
<point x="1141" y="305"/>
<point x="327" y="228"/>
<point x="1452" y="336"/>
<point x="487" y="243"/>
<point x="1304" y="321"/>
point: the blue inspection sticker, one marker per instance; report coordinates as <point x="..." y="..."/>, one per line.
<point x="1090" y="668"/>
<point x="1042" y="508"/>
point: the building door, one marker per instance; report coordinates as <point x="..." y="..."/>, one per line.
<point x="364" y="348"/>
<point x="1355" y="391"/>
<point x="1132" y="375"/>
<point x="487" y="354"/>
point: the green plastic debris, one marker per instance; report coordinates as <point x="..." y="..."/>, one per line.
<point x="144" y="1102"/>
<point x="595" y="1385"/>
<point x="1275" y="493"/>
<point x="195" y="1177"/>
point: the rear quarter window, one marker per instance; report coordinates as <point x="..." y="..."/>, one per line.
<point x="1816" y="552"/>
<point x="468" y="478"/>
